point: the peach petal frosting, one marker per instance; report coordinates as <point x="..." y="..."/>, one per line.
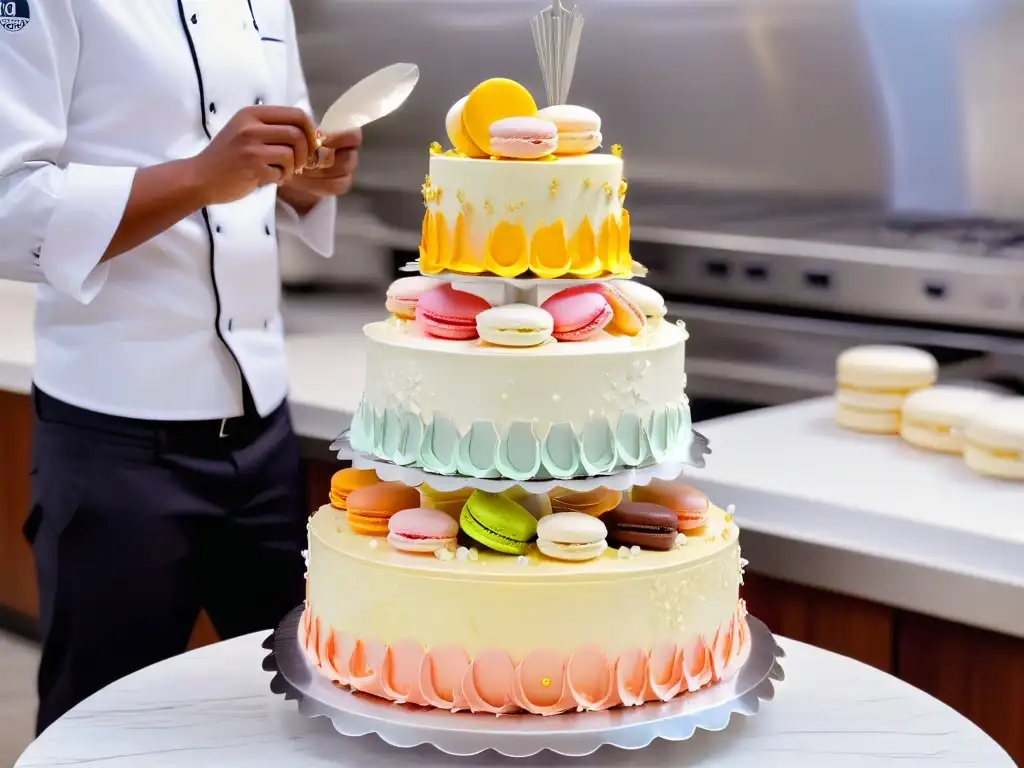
<point x="543" y="683"/>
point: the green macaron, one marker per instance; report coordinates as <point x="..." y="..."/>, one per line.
<point x="498" y="523"/>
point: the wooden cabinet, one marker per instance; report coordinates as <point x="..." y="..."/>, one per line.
<point x="17" y="573"/>
<point x="844" y="625"/>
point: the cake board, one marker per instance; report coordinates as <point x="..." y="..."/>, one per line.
<point x="519" y="736"/>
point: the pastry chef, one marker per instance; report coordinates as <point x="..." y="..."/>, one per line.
<point x="149" y="169"/>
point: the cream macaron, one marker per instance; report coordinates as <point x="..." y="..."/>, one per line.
<point x="994" y="440"/>
<point x="515" y="325"/>
<point x="935" y="419"/>
<point x="873" y="382"/>
<point x="579" y="128"/>
<point x="650" y="302"/>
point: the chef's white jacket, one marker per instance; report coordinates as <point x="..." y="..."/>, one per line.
<point x="91" y="91"/>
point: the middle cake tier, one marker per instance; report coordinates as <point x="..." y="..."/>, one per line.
<point x="555" y="411"/>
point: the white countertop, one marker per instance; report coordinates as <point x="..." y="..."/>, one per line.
<point x="213" y="707"/>
<point x="867" y="516"/>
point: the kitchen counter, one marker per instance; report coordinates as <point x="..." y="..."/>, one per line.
<point x="861" y="545"/>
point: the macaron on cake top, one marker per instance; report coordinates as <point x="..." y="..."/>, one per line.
<point x="405" y="292"/>
<point x="594" y="502"/>
<point x="627" y="318"/>
<point x="690" y="505"/>
<point x="994" y="441"/>
<point x="347" y="480"/>
<point x="370" y="508"/>
<point x="421" y="530"/>
<point x="449" y="502"/>
<point x="650" y="302"/>
<point x="497" y="522"/>
<point x="523" y="138"/>
<point x="515" y="325"/>
<point x="579" y="128"/>
<point x="936" y="418"/>
<point x="449" y="314"/>
<point x="457" y="133"/>
<point x="578" y="314"/>
<point x="648" y="526"/>
<point x="491" y="101"/>
<point x="571" y="536"/>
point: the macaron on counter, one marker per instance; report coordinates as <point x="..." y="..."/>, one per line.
<point x="994" y="440"/>
<point x="935" y="419"/>
<point x="874" y="381"/>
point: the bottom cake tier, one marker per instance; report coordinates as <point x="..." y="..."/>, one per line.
<point x="492" y="633"/>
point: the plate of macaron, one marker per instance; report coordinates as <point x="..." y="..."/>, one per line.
<point x="892" y="390"/>
<point x="578" y="313"/>
<point x="563" y="525"/>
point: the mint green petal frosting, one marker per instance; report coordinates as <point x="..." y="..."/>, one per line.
<point x="597" y="447"/>
<point x="439" y="452"/>
<point x="410" y="440"/>
<point x="478" y="451"/>
<point x="560" y="452"/>
<point x="634" y="448"/>
<point x="658" y="435"/>
<point x="519" y="452"/>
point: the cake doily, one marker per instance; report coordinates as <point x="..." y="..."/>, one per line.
<point x="616" y="481"/>
<point x="519" y="736"/>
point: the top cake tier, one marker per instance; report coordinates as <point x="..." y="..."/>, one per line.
<point x="563" y="217"/>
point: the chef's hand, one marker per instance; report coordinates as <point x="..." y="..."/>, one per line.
<point x="259" y="146"/>
<point x="332" y="175"/>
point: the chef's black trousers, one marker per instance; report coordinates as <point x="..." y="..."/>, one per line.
<point x="137" y="525"/>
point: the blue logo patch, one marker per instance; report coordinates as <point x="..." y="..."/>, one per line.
<point x="14" y="15"/>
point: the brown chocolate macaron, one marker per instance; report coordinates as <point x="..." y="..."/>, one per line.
<point x="648" y="526"/>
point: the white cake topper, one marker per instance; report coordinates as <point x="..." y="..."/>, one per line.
<point x="556" y="33"/>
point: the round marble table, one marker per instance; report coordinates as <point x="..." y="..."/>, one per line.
<point x="213" y="707"/>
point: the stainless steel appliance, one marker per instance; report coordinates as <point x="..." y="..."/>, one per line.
<point x="804" y="174"/>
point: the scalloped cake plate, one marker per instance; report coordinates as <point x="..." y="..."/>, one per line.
<point x="572" y="734"/>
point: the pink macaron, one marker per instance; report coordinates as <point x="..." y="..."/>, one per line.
<point x="523" y="138"/>
<point x="421" y="530"/>
<point x="578" y="312"/>
<point x="449" y="314"/>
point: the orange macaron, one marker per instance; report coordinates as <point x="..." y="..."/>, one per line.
<point x="370" y="508"/>
<point x="595" y="502"/>
<point x="690" y="505"/>
<point x="347" y="480"/>
<point x="627" y="318"/>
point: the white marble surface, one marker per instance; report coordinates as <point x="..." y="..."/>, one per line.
<point x="870" y="516"/>
<point x="213" y="708"/>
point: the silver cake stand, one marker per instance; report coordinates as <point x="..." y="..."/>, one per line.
<point x="570" y="735"/>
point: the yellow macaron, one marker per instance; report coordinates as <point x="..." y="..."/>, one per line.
<point x="935" y="419"/>
<point x="491" y="101"/>
<point x="994" y="440"/>
<point x="873" y="382"/>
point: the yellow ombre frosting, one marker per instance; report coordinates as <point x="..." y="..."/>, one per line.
<point x="509" y="218"/>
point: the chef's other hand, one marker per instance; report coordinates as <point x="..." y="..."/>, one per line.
<point x="332" y="174"/>
<point x="259" y="146"/>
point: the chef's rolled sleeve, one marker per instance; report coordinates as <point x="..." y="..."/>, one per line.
<point x="316" y="229"/>
<point x="56" y="220"/>
<point x="81" y="227"/>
